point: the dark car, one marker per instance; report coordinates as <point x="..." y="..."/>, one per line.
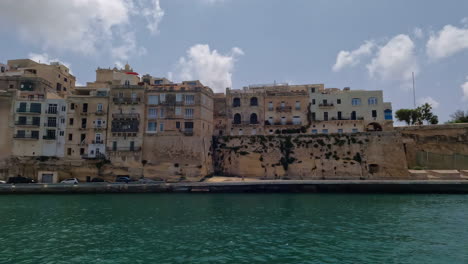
<point x="97" y="180"/>
<point x="20" y="179"/>
<point x="123" y="179"/>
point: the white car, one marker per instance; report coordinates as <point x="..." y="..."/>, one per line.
<point x="70" y="181"/>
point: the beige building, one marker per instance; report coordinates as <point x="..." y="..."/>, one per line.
<point x="87" y="123"/>
<point x="59" y="76"/>
<point x="348" y="111"/>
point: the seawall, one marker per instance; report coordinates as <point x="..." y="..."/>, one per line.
<point x="302" y="186"/>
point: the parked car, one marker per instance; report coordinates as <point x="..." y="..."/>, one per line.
<point x="97" y="180"/>
<point x="123" y="179"/>
<point x="70" y="181"/>
<point x="20" y="179"/>
<point x="2" y="182"/>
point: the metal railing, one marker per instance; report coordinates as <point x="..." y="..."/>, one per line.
<point x="283" y="109"/>
<point x="126" y="100"/>
<point x="129" y="149"/>
<point x="25" y="136"/>
<point x="18" y="123"/>
<point x="32" y="111"/>
<point x="126" y="116"/>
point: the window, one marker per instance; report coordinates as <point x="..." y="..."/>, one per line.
<point x="237" y="119"/>
<point x="296" y="120"/>
<point x="36" y="120"/>
<point x="388" y="114"/>
<point x="153" y="99"/>
<point x="314" y="131"/>
<point x="69" y="151"/>
<point x="339" y="115"/>
<point x="99" y="123"/>
<point x="152" y="126"/>
<point x="161" y="127"/>
<point x="338" y="101"/>
<point x="98" y="137"/>
<point x="253" y="101"/>
<point x="51" y="121"/>
<point x="70" y="137"/>
<point x="340" y="131"/>
<point x="325" y="131"/>
<point x="35" y="108"/>
<point x="162" y="97"/>
<point x="325" y="116"/>
<point x="64" y="108"/>
<point x="99" y="107"/>
<point x="188" y="126"/>
<point x="52" y="109"/>
<point x="83" y="122"/>
<point x="356" y="101"/>
<point x="236" y="102"/>
<point x="72" y="106"/>
<point x="50" y="134"/>
<point x="312" y="89"/>
<point x="177" y="125"/>
<point x="189" y="113"/>
<point x="298" y="105"/>
<point x="283" y="105"/>
<point x="270" y="106"/>
<point x="70" y="121"/>
<point x="313" y="116"/>
<point x="313" y="101"/>
<point x="161" y="113"/>
<point x="82" y="151"/>
<point x="253" y="118"/>
<point x="179" y="97"/>
<point x="374" y="113"/>
<point x="152" y="112"/>
<point x="353" y="115"/>
<point x="190" y="99"/>
<point x="372" y="100"/>
<point x="114" y="145"/>
<point x="354" y="130"/>
<point x="283" y="120"/>
<point x="178" y="111"/>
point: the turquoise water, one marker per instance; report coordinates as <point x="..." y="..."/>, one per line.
<point x="234" y="228"/>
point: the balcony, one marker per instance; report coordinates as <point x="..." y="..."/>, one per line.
<point x="84" y="113"/>
<point x="33" y="124"/>
<point x="51" y="111"/>
<point x="95" y="156"/>
<point x="99" y="127"/>
<point x="288" y="123"/>
<point x="28" y="111"/>
<point x="100" y="112"/>
<point x="124" y="149"/>
<point x="24" y="136"/>
<point x="49" y="137"/>
<point x="283" y="109"/>
<point x="50" y="124"/>
<point x="98" y="142"/>
<point x="188" y="132"/>
<point x="245" y="123"/>
<point x="126" y="100"/>
<point x="126" y="116"/>
<point x="326" y="105"/>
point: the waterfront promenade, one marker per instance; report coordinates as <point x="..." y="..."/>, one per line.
<point x="292" y="186"/>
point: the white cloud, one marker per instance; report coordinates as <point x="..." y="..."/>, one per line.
<point x="395" y="60"/>
<point x="128" y="48"/>
<point x="465" y="90"/>
<point x="82" y="26"/>
<point x="210" y="67"/>
<point x="464" y="21"/>
<point x="418" y="32"/>
<point x="428" y="100"/>
<point x="213" y="1"/>
<point x="352" y="58"/>
<point x="447" y="42"/>
<point x="154" y="16"/>
<point x="44" y="58"/>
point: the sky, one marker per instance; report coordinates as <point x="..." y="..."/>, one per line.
<point x="366" y="44"/>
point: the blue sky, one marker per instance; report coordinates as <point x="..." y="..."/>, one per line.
<point x="364" y="44"/>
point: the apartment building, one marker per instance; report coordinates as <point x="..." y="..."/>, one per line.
<point x="348" y="111"/>
<point x="184" y="109"/>
<point x="219" y="114"/>
<point x="87" y="123"/>
<point x="62" y="81"/>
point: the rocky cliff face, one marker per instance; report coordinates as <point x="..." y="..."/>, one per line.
<point x="351" y="156"/>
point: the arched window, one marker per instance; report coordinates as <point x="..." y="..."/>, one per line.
<point x="236" y="102"/>
<point x="388" y="114"/>
<point x="353" y="115"/>
<point x="372" y="100"/>
<point x="237" y="119"/>
<point x="253" y="118"/>
<point x="253" y="101"/>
